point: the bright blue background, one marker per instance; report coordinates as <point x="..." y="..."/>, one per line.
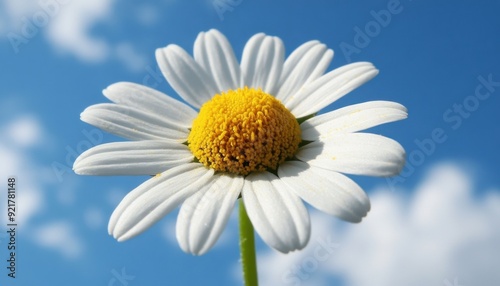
<point x="430" y="55"/>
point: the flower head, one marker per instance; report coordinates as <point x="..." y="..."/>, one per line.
<point x="249" y="130"/>
<point x="244" y="131"/>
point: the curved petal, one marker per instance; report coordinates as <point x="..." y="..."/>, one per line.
<point x="151" y="101"/>
<point x="204" y="215"/>
<point x="277" y="214"/>
<point x="132" y="123"/>
<point x="323" y="91"/>
<point x="147" y="157"/>
<point x="355" y="153"/>
<point x="307" y="63"/>
<point x="155" y="198"/>
<point x="328" y="191"/>
<point x="214" y="53"/>
<point x="262" y="62"/>
<point x="185" y="75"/>
<point x="352" y="118"/>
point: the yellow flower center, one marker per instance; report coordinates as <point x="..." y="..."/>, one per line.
<point x="244" y="130"/>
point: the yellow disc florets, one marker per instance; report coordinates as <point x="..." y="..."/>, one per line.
<point x="244" y="130"/>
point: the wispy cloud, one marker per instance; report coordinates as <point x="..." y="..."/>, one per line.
<point x="61" y="237"/>
<point x="70" y="26"/>
<point x="93" y="217"/>
<point x="71" y="29"/>
<point x="16" y="136"/>
<point x="66" y="24"/>
<point x="24" y="131"/>
<point x="444" y="229"/>
<point x="33" y="180"/>
<point x="306" y="267"/>
<point x="130" y="57"/>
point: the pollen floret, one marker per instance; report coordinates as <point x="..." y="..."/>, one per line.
<point x="244" y="130"/>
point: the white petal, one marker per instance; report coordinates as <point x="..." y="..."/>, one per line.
<point x="262" y="62"/>
<point x="204" y="215"/>
<point x="151" y="101"/>
<point x="277" y="214"/>
<point x="307" y="63"/>
<point x="148" y="157"/>
<point x="328" y="191"/>
<point x="155" y="198"/>
<point x="214" y="53"/>
<point x="132" y="123"/>
<point x="323" y="91"/>
<point x="186" y="76"/>
<point x="352" y="118"/>
<point x="355" y="153"/>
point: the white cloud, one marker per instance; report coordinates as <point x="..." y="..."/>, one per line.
<point x="93" y="217"/>
<point x="132" y="60"/>
<point x="12" y="160"/>
<point x="445" y="230"/>
<point x="70" y="28"/>
<point x="30" y="202"/>
<point x="24" y="131"/>
<point x="33" y="185"/>
<point x="67" y="24"/>
<point x="15" y="136"/>
<point x="302" y="266"/>
<point x="14" y="11"/>
<point x="61" y="237"/>
<point x="28" y="197"/>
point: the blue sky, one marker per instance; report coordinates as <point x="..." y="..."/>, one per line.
<point x="435" y="224"/>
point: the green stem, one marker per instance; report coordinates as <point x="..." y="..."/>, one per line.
<point x="247" y="248"/>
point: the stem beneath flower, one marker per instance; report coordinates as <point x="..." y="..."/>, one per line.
<point x="247" y="248"/>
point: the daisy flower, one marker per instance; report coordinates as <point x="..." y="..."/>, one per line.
<point x="245" y="130"/>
